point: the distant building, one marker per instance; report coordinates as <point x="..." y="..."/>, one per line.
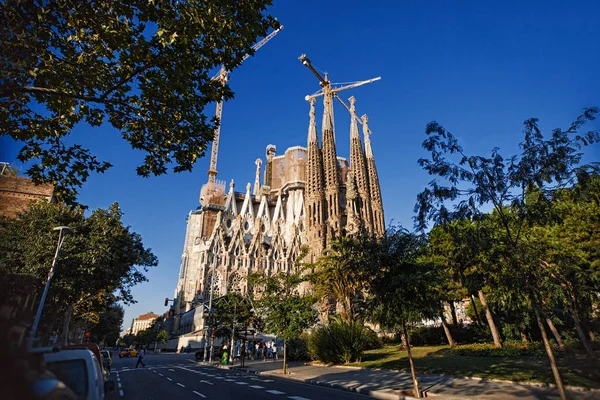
<point x="143" y="322"/>
<point x="17" y="192"/>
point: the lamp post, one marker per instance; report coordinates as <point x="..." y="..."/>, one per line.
<point x="63" y="230"/>
<point x="212" y="286"/>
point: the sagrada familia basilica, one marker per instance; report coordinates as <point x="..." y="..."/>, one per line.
<point x="308" y="196"/>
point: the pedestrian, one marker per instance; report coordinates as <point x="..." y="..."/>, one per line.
<point x="274" y="350"/>
<point x="250" y="348"/>
<point x="257" y="350"/>
<point x="140" y="360"/>
<point x="264" y="351"/>
<point x="269" y="350"/>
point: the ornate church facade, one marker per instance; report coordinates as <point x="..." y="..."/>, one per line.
<point x="307" y="196"/>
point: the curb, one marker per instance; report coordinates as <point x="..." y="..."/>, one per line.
<point x="378" y="394"/>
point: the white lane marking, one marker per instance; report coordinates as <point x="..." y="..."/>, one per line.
<point x="170" y="379"/>
<point x="121" y="393"/>
<point x="256" y="387"/>
<point x="210" y="383"/>
<point x="180" y="384"/>
<point x="274" y="392"/>
<point x="297" y="398"/>
<point x="241" y="383"/>
<point x="219" y="377"/>
<point x="119" y="385"/>
<point x="199" y="394"/>
<point x="172" y="370"/>
<point x="160" y="374"/>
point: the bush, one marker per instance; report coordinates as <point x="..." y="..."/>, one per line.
<point x="341" y="342"/>
<point x="297" y="349"/>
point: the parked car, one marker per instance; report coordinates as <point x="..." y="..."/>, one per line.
<point x="80" y="370"/>
<point x="106" y="359"/>
<point x="130" y="352"/>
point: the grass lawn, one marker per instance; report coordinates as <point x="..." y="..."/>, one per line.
<point x="575" y="370"/>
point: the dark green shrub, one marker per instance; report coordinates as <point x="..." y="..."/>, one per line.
<point x="297" y="349"/>
<point x="341" y="342"/>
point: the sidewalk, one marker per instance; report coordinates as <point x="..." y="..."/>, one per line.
<point x="387" y="384"/>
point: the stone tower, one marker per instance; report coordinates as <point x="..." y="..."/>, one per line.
<point x="359" y="173"/>
<point x="314" y="192"/>
<point x="333" y="220"/>
<point x="375" y="189"/>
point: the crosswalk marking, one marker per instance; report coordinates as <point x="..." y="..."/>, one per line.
<point x="256" y="387"/>
<point x="199" y="394"/>
<point x="180" y="384"/>
<point x="274" y="392"/>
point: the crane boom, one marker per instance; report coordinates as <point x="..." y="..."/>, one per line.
<point x="223" y="76"/>
<point x="324" y="82"/>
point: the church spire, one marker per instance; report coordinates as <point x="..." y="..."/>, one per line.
<point x="359" y="171"/>
<point x="375" y="189"/>
<point x="330" y="169"/>
<point x="314" y="187"/>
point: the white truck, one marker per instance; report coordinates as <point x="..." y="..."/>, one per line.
<point x="80" y="370"/>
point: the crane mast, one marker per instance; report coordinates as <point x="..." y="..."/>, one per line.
<point x="223" y="76"/>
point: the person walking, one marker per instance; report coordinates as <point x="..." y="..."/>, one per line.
<point x="140" y="360"/>
<point x="269" y="350"/>
<point x="264" y="351"/>
<point x="274" y="351"/>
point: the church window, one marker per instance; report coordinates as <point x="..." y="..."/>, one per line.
<point x="246" y="226"/>
<point x="197" y="241"/>
<point x="228" y="222"/>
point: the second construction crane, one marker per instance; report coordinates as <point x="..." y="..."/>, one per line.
<point x="223" y="76"/>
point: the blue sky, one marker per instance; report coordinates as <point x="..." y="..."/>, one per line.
<point x="478" y="68"/>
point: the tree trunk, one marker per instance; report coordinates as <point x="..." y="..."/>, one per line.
<point x="66" y="322"/>
<point x="523" y="337"/>
<point x="453" y="313"/>
<point x="447" y="330"/>
<point x="284" y="357"/>
<point x="555" y="333"/>
<point x="412" y="365"/>
<point x="490" y="320"/>
<point x="555" y="372"/>
<point x="477" y="316"/>
<point x="581" y="334"/>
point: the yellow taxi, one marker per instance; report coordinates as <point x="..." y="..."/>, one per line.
<point x="128" y="353"/>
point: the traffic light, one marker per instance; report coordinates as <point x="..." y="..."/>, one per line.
<point x="87" y="337"/>
<point x="166" y="301"/>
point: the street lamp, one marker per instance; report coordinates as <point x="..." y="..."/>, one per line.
<point x="63" y="230"/>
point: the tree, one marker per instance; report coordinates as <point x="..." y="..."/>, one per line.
<point x="232" y="311"/>
<point x="286" y="309"/>
<point x="146" y="337"/>
<point x="476" y="182"/>
<point x="340" y="275"/>
<point x="400" y="288"/>
<point x="141" y="66"/>
<point x="99" y="262"/>
<point x="162" y="337"/>
<point x="460" y="246"/>
<point x="108" y="328"/>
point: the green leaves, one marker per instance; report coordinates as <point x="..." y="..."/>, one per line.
<point x="141" y="66"/>
<point x="98" y="262"/>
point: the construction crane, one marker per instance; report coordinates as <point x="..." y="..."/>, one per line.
<point x="328" y="89"/>
<point x="223" y="77"/>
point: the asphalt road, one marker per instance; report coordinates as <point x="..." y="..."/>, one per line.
<point x="177" y="376"/>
